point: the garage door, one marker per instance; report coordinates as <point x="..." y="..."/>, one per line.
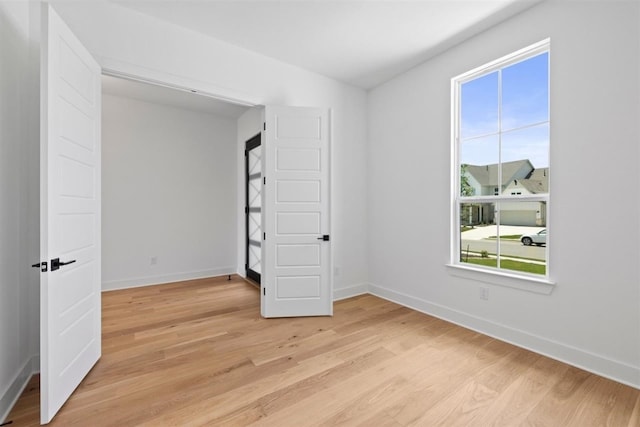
<point x="518" y="218"/>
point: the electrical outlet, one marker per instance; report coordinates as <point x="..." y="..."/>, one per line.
<point x="484" y="293"/>
<point x="154" y="260"/>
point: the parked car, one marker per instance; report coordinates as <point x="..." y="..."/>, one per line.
<point x="540" y="238"/>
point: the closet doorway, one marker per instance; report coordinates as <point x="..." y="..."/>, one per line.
<point x="253" y="208"/>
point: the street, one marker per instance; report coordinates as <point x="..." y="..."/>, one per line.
<point x="509" y="248"/>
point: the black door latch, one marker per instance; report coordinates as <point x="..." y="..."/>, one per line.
<point x="324" y="238"/>
<point x="42" y="265"/>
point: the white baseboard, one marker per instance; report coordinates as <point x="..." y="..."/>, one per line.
<point x="10" y="397"/>
<point x="350" y="291"/>
<point x="113" y="285"/>
<point x="599" y="365"/>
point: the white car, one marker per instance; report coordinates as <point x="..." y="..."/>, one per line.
<point x="539" y="238"/>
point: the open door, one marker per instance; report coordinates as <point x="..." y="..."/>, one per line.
<point x="296" y="278"/>
<point x="70" y="306"/>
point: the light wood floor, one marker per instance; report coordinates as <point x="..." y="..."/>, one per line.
<point x="198" y="353"/>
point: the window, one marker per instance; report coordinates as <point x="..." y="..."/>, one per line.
<point x="501" y="164"/>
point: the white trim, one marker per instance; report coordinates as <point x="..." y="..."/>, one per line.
<point x="17" y="386"/>
<point x="350" y="291"/>
<point x="608" y="368"/>
<point x="505" y="61"/>
<point x="118" y="68"/>
<point x="137" y="282"/>
<point x="505" y="198"/>
<point x="330" y="120"/>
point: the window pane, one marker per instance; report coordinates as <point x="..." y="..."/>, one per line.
<point x="525" y="95"/>
<point x="479" y="106"/>
<point x="479" y="166"/>
<point x="525" y="161"/>
<point x="477" y="246"/>
<point x="522" y="236"/>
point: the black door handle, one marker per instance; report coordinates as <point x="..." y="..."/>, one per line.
<point x="324" y="238"/>
<point x="56" y="263"/>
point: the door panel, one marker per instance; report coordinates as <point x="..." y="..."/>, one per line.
<point x="297" y="261"/>
<point x="298" y="255"/>
<point x="291" y="191"/>
<point x="70" y="307"/>
<point x="297" y="287"/>
<point x="298" y="224"/>
<point x="298" y="160"/>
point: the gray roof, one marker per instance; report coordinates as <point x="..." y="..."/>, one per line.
<point x="534" y="186"/>
<point x="541" y="174"/>
<point x="488" y="174"/>
<point x="537" y="181"/>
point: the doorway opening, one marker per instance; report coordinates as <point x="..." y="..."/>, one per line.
<point x="253" y="208"/>
<point x="170" y="203"/>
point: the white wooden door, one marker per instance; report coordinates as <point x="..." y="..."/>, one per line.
<point x="70" y="307"/>
<point x="296" y="260"/>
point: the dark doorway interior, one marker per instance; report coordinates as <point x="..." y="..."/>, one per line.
<point x="253" y="207"/>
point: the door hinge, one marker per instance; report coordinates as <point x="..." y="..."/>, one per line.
<point x="264" y="236"/>
<point x="245" y="153"/>
<point x="264" y="125"/>
<point x="264" y="180"/>
<point x="264" y="291"/>
<point x="246" y="210"/>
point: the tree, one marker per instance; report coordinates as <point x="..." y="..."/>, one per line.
<point x="466" y="189"/>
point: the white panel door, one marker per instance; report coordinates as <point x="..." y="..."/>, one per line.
<point x="296" y="277"/>
<point x="70" y="307"/>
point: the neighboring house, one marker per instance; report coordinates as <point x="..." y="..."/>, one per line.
<point x="518" y="178"/>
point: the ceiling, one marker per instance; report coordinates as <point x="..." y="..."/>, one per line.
<point x="363" y="43"/>
<point x="170" y="97"/>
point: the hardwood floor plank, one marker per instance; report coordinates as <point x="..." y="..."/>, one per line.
<point x="516" y="401"/>
<point x="198" y="353"/>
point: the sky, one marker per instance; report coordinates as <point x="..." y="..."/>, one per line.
<point x="524" y="102"/>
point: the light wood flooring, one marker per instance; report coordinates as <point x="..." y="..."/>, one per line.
<point x="198" y="353"/>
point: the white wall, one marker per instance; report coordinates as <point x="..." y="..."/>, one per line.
<point x="592" y="318"/>
<point x="139" y="44"/>
<point x="168" y="191"/>
<point x="18" y="185"/>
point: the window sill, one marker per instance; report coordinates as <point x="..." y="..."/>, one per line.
<point x="501" y="278"/>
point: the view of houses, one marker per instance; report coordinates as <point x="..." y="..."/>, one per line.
<point x="518" y="178"/>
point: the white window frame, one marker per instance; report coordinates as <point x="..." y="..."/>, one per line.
<point x="527" y="281"/>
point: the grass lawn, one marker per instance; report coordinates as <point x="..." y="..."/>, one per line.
<point x="508" y="264"/>
<point x="507" y="237"/>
